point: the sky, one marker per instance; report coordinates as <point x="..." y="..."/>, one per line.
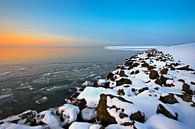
<point x="96" y="22"/>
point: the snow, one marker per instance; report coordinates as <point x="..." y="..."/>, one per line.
<point x="18" y="126"/>
<point x="51" y="120"/>
<point x="92" y="95"/>
<point x="184" y="53"/>
<point x="69" y="113"/>
<point x="129" y="108"/>
<point x="84" y="125"/>
<point x="141" y="48"/>
<point x="161" y="122"/>
<point x="80" y="125"/>
<point x="88" y="114"/>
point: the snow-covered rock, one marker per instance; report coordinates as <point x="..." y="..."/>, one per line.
<point x="69" y="113"/>
<point x="18" y="126"/>
<point x="88" y="114"/>
<point x="50" y="119"/>
<point x="84" y="125"/>
<point x="92" y="95"/>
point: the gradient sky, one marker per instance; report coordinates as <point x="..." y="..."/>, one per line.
<point x="96" y="22"/>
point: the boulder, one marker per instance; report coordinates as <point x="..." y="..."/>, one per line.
<point x="122" y="73"/>
<point x="102" y="112"/>
<point x="88" y="114"/>
<point x="110" y="76"/>
<point x="161" y="109"/>
<point x="68" y="113"/>
<point x="153" y="74"/>
<point x="123" y="81"/>
<point x="164" y="71"/>
<point x="138" y="116"/>
<point x="170" y="99"/>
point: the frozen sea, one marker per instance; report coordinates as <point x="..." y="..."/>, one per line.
<point x="40" y="78"/>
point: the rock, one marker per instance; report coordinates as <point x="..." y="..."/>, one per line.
<point x="19" y="126"/>
<point x="50" y="119"/>
<point x="137" y="71"/>
<point x="181" y="80"/>
<point x="100" y="83"/>
<point x="122" y="115"/>
<point x="186" y="97"/>
<point x="187" y="89"/>
<point x="88" y="114"/>
<point x="123" y="81"/>
<point x="68" y="113"/>
<point x="128" y="62"/>
<point x="161" y="109"/>
<point x="164" y="71"/>
<point x="84" y="125"/>
<point x="121" y="92"/>
<point x="102" y="112"/>
<point x="170" y="99"/>
<point x="161" y="81"/>
<point x="151" y="53"/>
<point x="193" y="82"/>
<point x="185" y="68"/>
<point x="118" y="109"/>
<point x="110" y="76"/>
<point x="153" y="74"/>
<point x="81" y="103"/>
<point x="147" y="66"/>
<point x="138" y="116"/>
<point x="122" y="73"/>
<point x="142" y="89"/>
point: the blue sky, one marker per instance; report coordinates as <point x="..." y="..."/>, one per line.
<point x="103" y="22"/>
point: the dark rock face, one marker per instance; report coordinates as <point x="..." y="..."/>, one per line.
<point x="122" y="73"/>
<point x="161" y="109"/>
<point x="170" y="99"/>
<point x="143" y="89"/>
<point x="153" y="74"/>
<point x="123" y="81"/>
<point x="121" y="92"/>
<point x="187" y="89"/>
<point x="161" y="81"/>
<point x="147" y="66"/>
<point x="81" y="103"/>
<point x="138" y="116"/>
<point x="110" y="76"/>
<point x="122" y="115"/>
<point x="186" y="97"/>
<point x="164" y="71"/>
<point x="128" y="62"/>
<point x="185" y="68"/>
<point x="192" y="82"/>
<point x="131" y="65"/>
<point x="137" y="71"/>
<point x="102" y="112"/>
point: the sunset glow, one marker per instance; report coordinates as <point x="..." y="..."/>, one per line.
<point x="34" y="40"/>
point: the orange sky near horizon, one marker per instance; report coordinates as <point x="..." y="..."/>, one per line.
<point x="37" y="40"/>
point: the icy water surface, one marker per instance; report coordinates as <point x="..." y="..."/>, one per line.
<point x="40" y="78"/>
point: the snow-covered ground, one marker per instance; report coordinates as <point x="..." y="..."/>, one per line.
<point x="150" y="90"/>
<point x="184" y="52"/>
